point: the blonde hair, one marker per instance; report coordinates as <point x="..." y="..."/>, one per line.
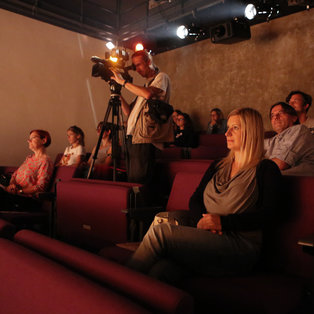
<point x="252" y="138"/>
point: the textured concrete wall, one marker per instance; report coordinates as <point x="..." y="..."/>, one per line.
<point x="257" y="73"/>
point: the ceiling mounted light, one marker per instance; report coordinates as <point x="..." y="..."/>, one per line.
<point x="193" y="31"/>
<point x="182" y="31"/>
<point x="250" y="11"/>
<point x="139" y="46"/>
<point x="270" y="10"/>
<point x="110" y="45"/>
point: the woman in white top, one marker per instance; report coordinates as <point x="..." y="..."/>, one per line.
<point x="75" y="153"/>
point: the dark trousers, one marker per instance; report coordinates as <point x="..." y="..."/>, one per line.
<point x="18" y="202"/>
<point x="141" y="162"/>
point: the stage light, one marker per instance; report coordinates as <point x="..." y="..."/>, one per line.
<point x="139" y="46"/>
<point x="182" y="31"/>
<point x="270" y="10"/>
<point x="250" y="11"/>
<point x="110" y="45"/>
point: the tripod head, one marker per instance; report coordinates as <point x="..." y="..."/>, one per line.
<point x="115" y="88"/>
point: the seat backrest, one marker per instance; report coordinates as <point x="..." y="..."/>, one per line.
<point x="170" y="153"/>
<point x="90" y="214"/>
<point x="166" y="171"/>
<point x="155" y="295"/>
<point x="184" y="185"/>
<point x="34" y="284"/>
<point x="212" y="140"/>
<point x="297" y="222"/>
<point x="209" y="152"/>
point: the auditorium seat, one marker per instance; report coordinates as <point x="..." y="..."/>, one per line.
<point x="171" y="153"/>
<point x="212" y="139"/>
<point x="89" y="212"/>
<point x="166" y="171"/>
<point x="43" y="218"/>
<point x="34" y="284"/>
<point x="7" y="229"/>
<point x="209" y="152"/>
<point x="152" y="294"/>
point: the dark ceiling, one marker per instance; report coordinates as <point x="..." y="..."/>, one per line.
<point x="152" y="21"/>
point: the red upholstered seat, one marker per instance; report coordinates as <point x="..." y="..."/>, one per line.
<point x="33" y="284"/>
<point x="7" y="230"/>
<point x="209" y="152"/>
<point x="166" y="171"/>
<point x="154" y="294"/>
<point x="212" y="140"/>
<point x="184" y="185"/>
<point x="90" y="214"/>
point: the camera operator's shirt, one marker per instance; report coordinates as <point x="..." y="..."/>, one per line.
<point x="160" y="81"/>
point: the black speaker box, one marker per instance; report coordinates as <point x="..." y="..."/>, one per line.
<point x="230" y="32"/>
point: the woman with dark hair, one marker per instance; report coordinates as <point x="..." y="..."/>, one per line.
<point x="234" y="203"/>
<point x="184" y="136"/>
<point x="75" y="153"/>
<point x="104" y="156"/>
<point x="217" y="124"/>
<point x="34" y="174"/>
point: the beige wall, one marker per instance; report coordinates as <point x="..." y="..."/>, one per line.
<point x="46" y="71"/>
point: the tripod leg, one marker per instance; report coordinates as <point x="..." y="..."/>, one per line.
<point x="99" y="140"/>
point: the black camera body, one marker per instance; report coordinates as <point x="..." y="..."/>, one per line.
<point x="101" y="68"/>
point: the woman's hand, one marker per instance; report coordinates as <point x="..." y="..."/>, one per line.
<point x="12" y="188"/>
<point x="210" y="222"/>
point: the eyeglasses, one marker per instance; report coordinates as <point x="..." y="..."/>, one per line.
<point x="180" y="119"/>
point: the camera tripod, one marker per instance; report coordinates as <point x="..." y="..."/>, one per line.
<point x="114" y="106"/>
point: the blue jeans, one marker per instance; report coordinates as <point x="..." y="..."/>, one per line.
<point x="199" y="251"/>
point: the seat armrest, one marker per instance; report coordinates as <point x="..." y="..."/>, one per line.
<point x="143" y="213"/>
<point x="46" y="196"/>
<point x="307" y="244"/>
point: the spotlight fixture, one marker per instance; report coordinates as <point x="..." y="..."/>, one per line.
<point x="192" y="31"/>
<point x="268" y="9"/>
<point x="250" y="11"/>
<point x="139" y="46"/>
<point x="182" y="31"/>
<point x="110" y="45"/>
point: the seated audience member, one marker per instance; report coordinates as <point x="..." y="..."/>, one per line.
<point x="292" y="149"/>
<point x="217" y="124"/>
<point x="104" y="152"/>
<point x="234" y="202"/>
<point x="75" y="153"/>
<point x="302" y="102"/>
<point x="184" y="136"/>
<point x="31" y="177"/>
<point x="175" y="119"/>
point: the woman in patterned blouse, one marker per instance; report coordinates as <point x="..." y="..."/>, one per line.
<point x="33" y="175"/>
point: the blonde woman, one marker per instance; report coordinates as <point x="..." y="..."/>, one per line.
<point x="235" y="200"/>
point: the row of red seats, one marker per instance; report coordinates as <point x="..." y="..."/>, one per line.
<point x="43" y="275"/>
<point x="279" y="289"/>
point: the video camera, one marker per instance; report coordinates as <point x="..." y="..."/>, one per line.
<point x="115" y="59"/>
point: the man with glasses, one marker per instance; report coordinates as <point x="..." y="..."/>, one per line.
<point x="292" y="148"/>
<point x="302" y="102"/>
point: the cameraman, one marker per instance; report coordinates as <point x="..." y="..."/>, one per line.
<point x="141" y="152"/>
